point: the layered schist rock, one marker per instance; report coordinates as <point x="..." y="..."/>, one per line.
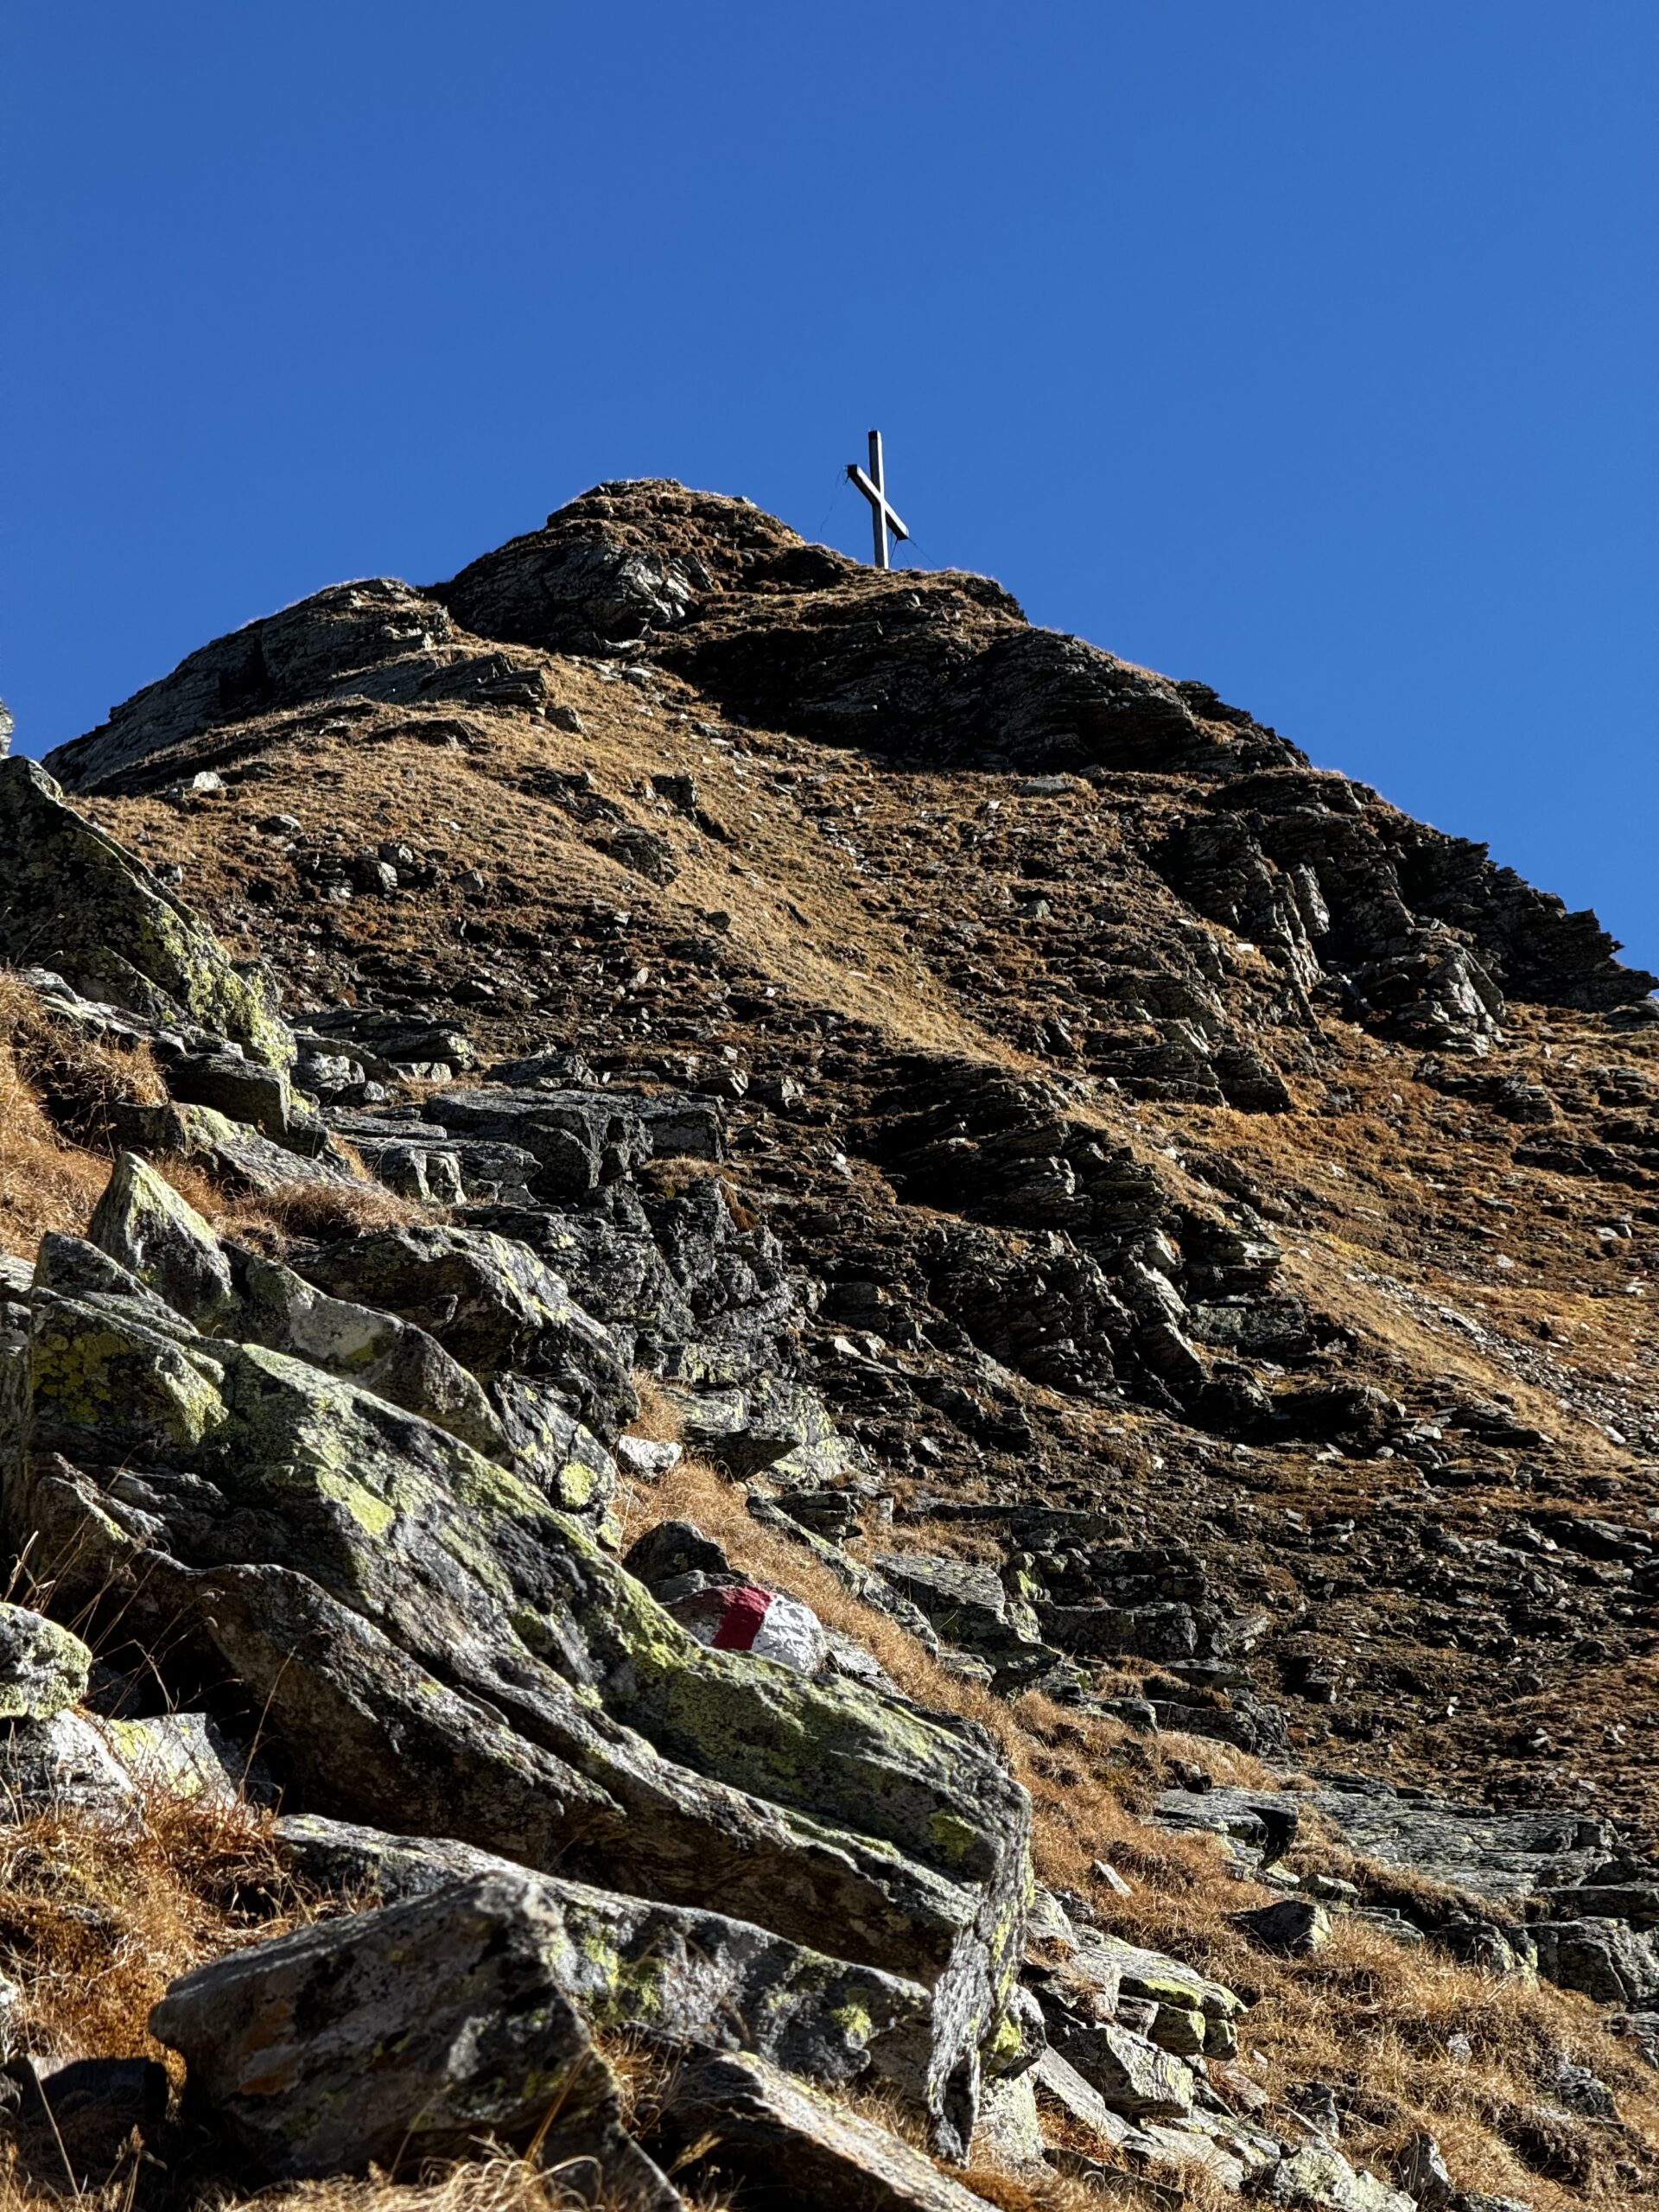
<point x="437" y="1646"/>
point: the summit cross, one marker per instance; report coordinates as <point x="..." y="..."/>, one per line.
<point x="883" y="518"/>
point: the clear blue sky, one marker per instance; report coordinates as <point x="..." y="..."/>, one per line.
<point x="1306" y="346"/>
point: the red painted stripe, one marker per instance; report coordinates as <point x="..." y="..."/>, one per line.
<point x="745" y="1608"/>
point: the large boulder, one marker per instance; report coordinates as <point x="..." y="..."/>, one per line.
<point x="437" y="1648"/>
<point x="681" y="1976"/>
<point x="144" y="1225"/>
<point x="448" y="2019"/>
<point x="73" y="900"/>
<point x="395" y="1359"/>
<point x="142" y="1222"/>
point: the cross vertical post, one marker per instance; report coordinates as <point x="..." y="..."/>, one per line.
<point x="883" y="518"/>
<point x="879" y="505"/>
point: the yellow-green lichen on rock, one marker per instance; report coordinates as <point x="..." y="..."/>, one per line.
<point x="416" y="1560"/>
<point x="73" y="900"/>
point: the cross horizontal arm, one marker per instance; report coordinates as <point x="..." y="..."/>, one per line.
<point x="876" y="498"/>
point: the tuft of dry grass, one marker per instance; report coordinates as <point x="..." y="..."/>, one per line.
<point x="323" y="1211"/>
<point x="96" y="1918"/>
<point x="55" y="1092"/>
<point x="659" y="1421"/>
<point x="498" y="2182"/>
<point x="77" y="1081"/>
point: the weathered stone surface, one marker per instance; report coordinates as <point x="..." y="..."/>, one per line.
<point x="1420" y="2170"/>
<point x="243" y="1091"/>
<point x="442" y="2016"/>
<point x="232" y="1153"/>
<point x="62" y="1764"/>
<point x="43" y="1666"/>
<point x="374" y="638"/>
<point x="77" y="1762"/>
<point x="373" y="1868"/>
<point x="493" y="1304"/>
<point x="1295" y="1926"/>
<point x="966" y="1604"/>
<point x="1057" y="2080"/>
<point x="395" y="1359"/>
<point x="74" y="900"/>
<point x="1318" y="2176"/>
<point x="142" y="1222"/>
<point x="1131" y="2074"/>
<point x="1607" y="1961"/>
<point x="351" y="1562"/>
<point x="579" y="1139"/>
<point x="684" y="1978"/>
<point x="741" y="2117"/>
<point x="1010" y="2131"/>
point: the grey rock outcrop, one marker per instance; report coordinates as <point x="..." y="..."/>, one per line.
<point x="73" y="900"/>
<point x="446" y="2018"/>
<point x="439" y="1649"/>
<point x="43" y="1666"/>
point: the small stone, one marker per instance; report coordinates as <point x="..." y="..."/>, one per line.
<point x="87" y="2109"/>
<point x="370" y="873"/>
<point x="1294" y="1926"/>
<point x="1317" y="2103"/>
<point x="642" y="1456"/>
<point x="1330" y="1888"/>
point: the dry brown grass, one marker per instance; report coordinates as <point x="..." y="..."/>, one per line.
<point x="502" y="2183"/>
<point x="78" y="1081"/>
<point x="323" y="1211"/>
<point x="659" y="1419"/>
<point x="51" y="1168"/>
<point x="96" y="1919"/>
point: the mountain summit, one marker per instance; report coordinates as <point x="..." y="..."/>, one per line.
<point x="778" y="1261"/>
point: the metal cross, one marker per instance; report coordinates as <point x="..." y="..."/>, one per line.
<point x="882" y="517"/>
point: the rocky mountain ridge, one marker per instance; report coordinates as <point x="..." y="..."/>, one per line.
<point x="1089" y="1179"/>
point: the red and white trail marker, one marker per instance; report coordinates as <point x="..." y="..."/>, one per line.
<point x="746" y="1616"/>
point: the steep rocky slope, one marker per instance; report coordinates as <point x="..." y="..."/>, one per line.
<point x="1134" y="1210"/>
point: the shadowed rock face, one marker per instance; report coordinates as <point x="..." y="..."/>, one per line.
<point x="938" y="667"/>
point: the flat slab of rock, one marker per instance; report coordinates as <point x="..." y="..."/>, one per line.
<point x="1499" y="1855"/>
<point x="443" y="2018"/>
<point x="680" y="1975"/>
<point x="371" y="1866"/>
<point x="755" y="2125"/>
